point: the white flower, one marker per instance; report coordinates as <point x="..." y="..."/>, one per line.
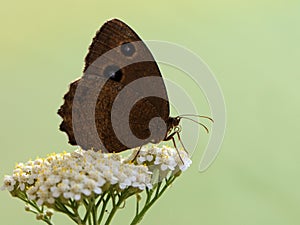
<point x="187" y="163"/>
<point x="9" y="183"/>
<point x="149" y="158"/>
<point x="91" y="186"/>
<point x="31" y="192"/>
<point x="55" y="191"/>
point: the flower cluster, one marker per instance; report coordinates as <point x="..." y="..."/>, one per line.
<point x="95" y="182"/>
<point x="82" y="173"/>
<point x="165" y="158"/>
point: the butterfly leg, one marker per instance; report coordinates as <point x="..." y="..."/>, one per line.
<point x="182" y="143"/>
<point x="168" y="138"/>
<point x="177" y="131"/>
<point x="173" y="140"/>
<point x="136" y="155"/>
<point x="171" y="137"/>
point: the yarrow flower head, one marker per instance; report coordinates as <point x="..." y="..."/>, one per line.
<point x="93" y="178"/>
<point x="165" y="158"/>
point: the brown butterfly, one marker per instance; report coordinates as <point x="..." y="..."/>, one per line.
<point x="92" y="119"/>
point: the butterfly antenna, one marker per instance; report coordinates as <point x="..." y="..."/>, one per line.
<point x="205" y="117"/>
<point x="201" y="124"/>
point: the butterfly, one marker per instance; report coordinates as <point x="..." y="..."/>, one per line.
<point x="121" y="101"/>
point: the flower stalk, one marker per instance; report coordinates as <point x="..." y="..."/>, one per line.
<point x="90" y="187"/>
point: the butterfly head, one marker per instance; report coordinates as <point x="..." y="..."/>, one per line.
<point x="173" y="122"/>
<point x="176" y="121"/>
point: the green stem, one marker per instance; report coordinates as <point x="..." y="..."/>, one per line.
<point x="113" y="211"/>
<point x="117" y="205"/>
<point x="88" y="205"/>
<point x="100" y="199"/>
<point x="89" y="220"/>
<point x="137" y="206"/>
<point x="149" y="194"/>
<point x="158" y="188"/>
<point x="35" y="206"/>
<point x="48" y="221"/>
<point x="94" y="211"/>
<point x="148" y="204"/>
<point x="61" y="208"/>
<point x="105" y="201"/>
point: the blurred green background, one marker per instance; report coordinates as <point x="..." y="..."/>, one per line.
<point x="253" y="47"/>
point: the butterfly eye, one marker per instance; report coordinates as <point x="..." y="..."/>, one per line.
<point x="127" y="49"/>
<point x="113" y="72"/>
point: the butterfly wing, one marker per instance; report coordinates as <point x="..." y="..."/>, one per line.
<point x="116" y="50"/>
